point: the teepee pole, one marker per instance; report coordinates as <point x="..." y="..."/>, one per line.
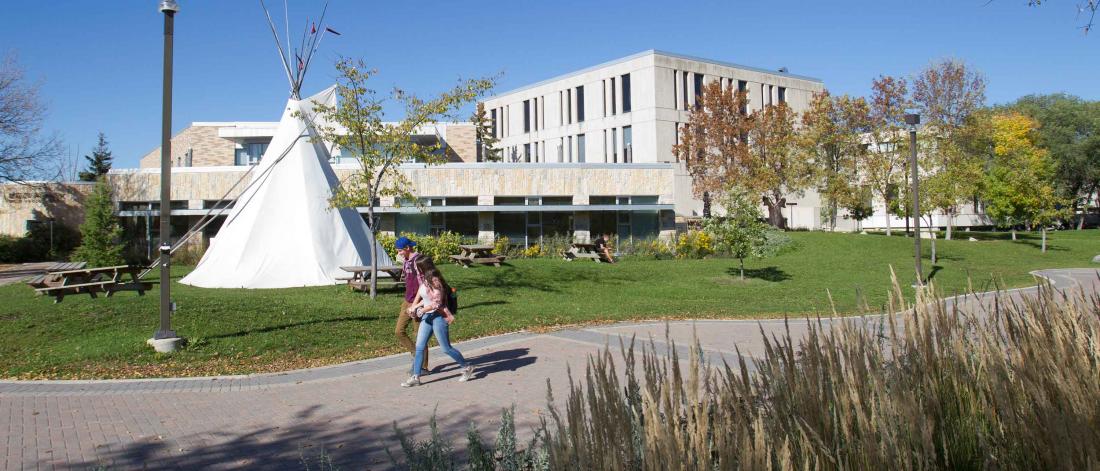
<point x="279" y="46"/>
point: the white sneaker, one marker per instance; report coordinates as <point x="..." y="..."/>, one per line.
<point x="413" y="380"/>
<point x="467" y="374"/>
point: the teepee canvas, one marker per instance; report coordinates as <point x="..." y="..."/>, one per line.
<point x="281" y="232"/>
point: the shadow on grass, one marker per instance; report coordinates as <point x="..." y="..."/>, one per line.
<point x="272" y="328"/>
<point x="482" y="303"/>
<point x="932" y="274"/>
<point x="772" y="274"/>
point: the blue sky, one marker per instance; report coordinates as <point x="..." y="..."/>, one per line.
<point x="99" y="63"/>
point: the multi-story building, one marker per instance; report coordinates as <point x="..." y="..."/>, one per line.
<point x="586" y="152"/>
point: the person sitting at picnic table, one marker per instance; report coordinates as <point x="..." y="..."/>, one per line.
<point x="406" y="251"/>
<point x="603" y="248"/>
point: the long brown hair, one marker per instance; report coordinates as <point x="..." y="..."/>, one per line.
<point x="427" y="269"/>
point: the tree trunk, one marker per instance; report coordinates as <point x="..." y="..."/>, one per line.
<point x="1044" y="239"/>
<point x="742" y="269"/>
<point x="775" y="211"/>
<point x="887" y="212"/>
<point x="706" y="205"/>
<point x="1013" y="232"/>
<point x="373" y="253"/>
<point x="933" y="234"/>
<point x="833" y="209"/>
<point x="950" y="222"/>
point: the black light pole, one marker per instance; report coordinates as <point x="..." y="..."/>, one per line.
<point x="913" y="119"/>
<point x="169" y="8"/>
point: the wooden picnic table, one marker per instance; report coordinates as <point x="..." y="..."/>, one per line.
<point x="480" y="254"/>
<point x="360" y="276"/>
<point x="92" y="281"/>
<point x="49" y="279"/>
<point x="583" y="250"/>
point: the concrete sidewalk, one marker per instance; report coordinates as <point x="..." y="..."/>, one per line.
<point x="272" y="421"/>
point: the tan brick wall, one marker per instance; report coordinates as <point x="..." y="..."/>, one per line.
<point x="462" y="142"/>
<point x="62" y="201"/>
<point x="207" y="149"/>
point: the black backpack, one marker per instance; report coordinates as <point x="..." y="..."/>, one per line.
<point x="452" y="302"/>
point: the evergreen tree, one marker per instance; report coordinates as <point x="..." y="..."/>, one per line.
<point x="99" y="162"/>
<point x="100" y="233"/>
<point x="486" y="139"/>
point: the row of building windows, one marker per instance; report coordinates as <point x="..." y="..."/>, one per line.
<point x="529" y="228"/>
<point x="680" y="90"/>
<point x="570" y="107"/>
<point x="570" y="149"/>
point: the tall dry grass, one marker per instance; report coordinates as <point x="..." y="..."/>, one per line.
<point x="1012" y="386"/>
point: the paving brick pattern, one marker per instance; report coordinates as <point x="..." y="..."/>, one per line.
<point x="345" y="413"/>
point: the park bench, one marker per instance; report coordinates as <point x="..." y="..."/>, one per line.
<point x="360" y="278"/>
<point x="477" y="254"/>
<point x="584" y="251"/>
<point x="92" y="281"/>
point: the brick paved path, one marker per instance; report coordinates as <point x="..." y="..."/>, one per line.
<point x="345" y="411"/>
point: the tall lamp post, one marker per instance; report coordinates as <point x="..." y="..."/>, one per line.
<point x="913" y="119"/>
<point x="165" y="339"/>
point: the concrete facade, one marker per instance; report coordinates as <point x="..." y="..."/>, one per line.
<point x="630" y="110"/>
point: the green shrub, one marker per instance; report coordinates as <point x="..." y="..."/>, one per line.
<point x="39" y="244"/>
<point x="189" y="254"/>
<point x="649" y="248"/>
<point x="694" y="244"/>
<point x="387" y="242"/>
<point x="437" y="452"/>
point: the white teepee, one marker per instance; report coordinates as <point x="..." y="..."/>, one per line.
<point x="282" y="233"/>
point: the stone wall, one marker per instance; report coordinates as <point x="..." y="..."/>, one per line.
<point x="462" y="142"/>
<point x="207" y="149"/>
<point x="64" y="202"/>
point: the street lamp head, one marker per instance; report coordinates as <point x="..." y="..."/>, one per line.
<point x="169" y="6"/>
<point x="912" y="119"/>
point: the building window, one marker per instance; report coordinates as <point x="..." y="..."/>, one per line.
<point x="580" y="147"/>
<point x="561" y="150"/>
<point x="698" y="89"/>
<point x="626" y="93"/>
<point x="628" y="144"/>
<point x="561" y="109"/>
<point x="526" y="115"/>
<point x="674" y="96"/>
<point x="527" y="153"/>
<point x="249" y="154"/>
<point x="614" y="145"/>
<point x="684" y="88"/>
<point x="743" y="86"/>
<point x="493" y="120"/>
<point x="614" y="98"/>
<point x="782" y="94"/>
<point x="580" y="104"/>
<point x="569" y="148"/>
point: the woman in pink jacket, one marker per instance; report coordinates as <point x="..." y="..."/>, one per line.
<point x="430" y="305"/>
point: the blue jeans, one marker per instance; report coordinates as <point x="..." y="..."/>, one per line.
<point x="433" y="322"/>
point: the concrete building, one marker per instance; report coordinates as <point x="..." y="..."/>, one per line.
<point x="586" y="152"/>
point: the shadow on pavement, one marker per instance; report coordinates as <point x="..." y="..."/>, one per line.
<point x="316" y="441"/>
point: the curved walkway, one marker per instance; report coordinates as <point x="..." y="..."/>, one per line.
<point x="345" y="412"/>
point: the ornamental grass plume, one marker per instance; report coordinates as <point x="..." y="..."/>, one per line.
<point x="1014" y="384"/>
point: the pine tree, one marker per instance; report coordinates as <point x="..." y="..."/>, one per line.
<point x="100" y="233"/>
<point x="486" y="139"/>
<point x="99" y="162"/>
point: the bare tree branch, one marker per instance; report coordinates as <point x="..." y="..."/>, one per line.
<point x="24" y="153"/>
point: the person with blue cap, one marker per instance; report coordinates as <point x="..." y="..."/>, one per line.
<point x="406" y="250"/>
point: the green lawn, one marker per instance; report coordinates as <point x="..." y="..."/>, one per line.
<point x="241" y="331"/>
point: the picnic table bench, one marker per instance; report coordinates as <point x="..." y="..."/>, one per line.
<point x="360" y="277"/>
<point x="582" y="250"/>
<point x="43" y="280"/>
<point x="92" y="281"/>
<point x="480" y="254"/>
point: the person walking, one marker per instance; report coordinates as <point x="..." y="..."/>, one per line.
<point x="430" y="306"/>
<point x="406" y="250"/>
